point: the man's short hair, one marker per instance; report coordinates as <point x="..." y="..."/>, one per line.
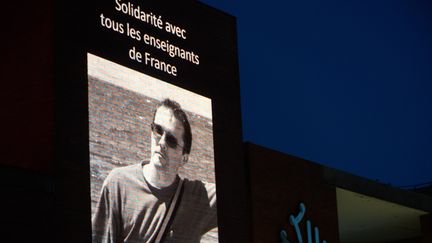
<point x="181" y="116"/>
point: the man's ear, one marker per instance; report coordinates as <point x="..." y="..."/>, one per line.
<point x="185" y="158"/>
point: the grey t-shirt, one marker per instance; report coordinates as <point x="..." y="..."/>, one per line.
<point x="131" y="210"/>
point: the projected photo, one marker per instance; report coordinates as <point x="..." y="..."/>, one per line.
<point x="151" y="159"/>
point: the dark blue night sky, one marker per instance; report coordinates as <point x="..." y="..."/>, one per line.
<point x="344" y="83"/>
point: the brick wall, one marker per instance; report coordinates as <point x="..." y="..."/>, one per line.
<point x="426" y="228"/>
<point x="279" y="183"/>
<point x="119" y="121"/>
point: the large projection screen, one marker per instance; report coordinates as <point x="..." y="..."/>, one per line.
<point x="122" y="104"/>
<point x="149" y="135"/>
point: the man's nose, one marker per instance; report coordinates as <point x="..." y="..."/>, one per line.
<point x="162" y="141"/>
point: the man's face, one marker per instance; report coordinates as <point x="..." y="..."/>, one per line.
<point x="167" y="141"/>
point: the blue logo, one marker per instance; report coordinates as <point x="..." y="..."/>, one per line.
<point x="294" y="221"/>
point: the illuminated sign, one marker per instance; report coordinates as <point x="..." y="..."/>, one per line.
<point x="149" y="121"/>
<point x="162" y="130"/>
<point x="294" y="221"/>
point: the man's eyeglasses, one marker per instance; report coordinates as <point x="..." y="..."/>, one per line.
<point x="170" y="139"/>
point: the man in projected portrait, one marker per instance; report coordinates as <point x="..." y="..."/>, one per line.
<point x="149" y="202"/>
